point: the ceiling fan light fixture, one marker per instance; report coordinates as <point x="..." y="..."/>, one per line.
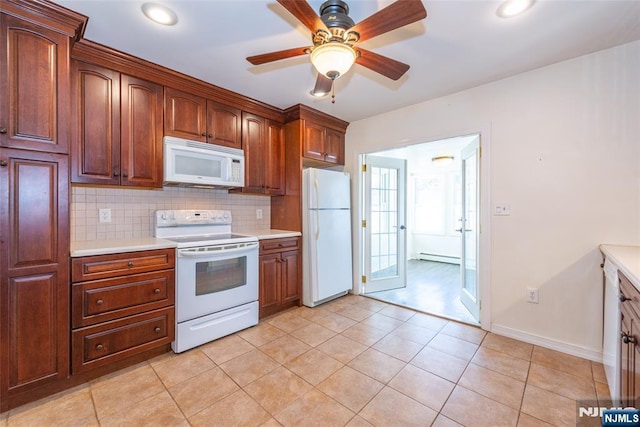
<point x="511" y="8"/>
<point x="159" y="14"/>
<point x="333" y="59"/>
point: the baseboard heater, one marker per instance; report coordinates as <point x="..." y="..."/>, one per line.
<point x="440" y="258"/>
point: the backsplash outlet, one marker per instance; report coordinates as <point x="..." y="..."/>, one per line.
<point x="132" y="210"/>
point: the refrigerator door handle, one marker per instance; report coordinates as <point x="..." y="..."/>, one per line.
<point x="317" y="226"/>
<point x="315" y="184"/>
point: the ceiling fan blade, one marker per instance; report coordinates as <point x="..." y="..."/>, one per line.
<point x="381" y="64"/>
<point x="396" y="15"/>
<point x="304" y="13"/>
<point x="323" y="85"/>
<point x="276" y="56"/>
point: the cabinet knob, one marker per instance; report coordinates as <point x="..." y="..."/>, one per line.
<point x="210" y="135"/>
<point x="3" y="130"/>
<point x="203" y="134"/>
<point x="130" y="264"/>
<point x="99" y="347"/>
<point x="3" y="163"/>
<point x="623" y="298"/>
<point x="116" y="174"/>
<point x="99" y="302"/>
<point x="125" y="175"/>
<point x="157" y="329"/>
<point x="156" y="291"/>
<point x="627" y="339"/>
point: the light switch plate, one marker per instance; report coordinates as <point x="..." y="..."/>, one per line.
<point x="502" y="208"/>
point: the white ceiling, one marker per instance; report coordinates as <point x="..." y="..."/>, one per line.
<point x="461" y="44"/>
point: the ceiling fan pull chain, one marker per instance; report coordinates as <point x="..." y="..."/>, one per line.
<point x="333" y="91"/>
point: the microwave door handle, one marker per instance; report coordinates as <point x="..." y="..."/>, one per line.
<point x="229" y="169"/>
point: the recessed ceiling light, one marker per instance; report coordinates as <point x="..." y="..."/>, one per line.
<point x="159" y="13"/>
<point x="510" y="8"/>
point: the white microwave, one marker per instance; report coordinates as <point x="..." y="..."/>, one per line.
<point x="191" y="163"/>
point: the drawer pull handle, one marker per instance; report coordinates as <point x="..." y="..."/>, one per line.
<point x="3" y="130"/>
<point x="623" y="298"/>
<point x="157" y="329"/>
<point x="628" y="339"/>
<point x="99" y="302"/>
<point x="156" y="291"/>
<point x="99" y="347"/>
<point x="130" y="263"/>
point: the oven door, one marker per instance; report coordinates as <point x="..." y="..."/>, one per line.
<point x="215" y="278"/>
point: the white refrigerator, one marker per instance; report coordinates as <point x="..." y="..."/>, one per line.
<point x="326" y="235"/>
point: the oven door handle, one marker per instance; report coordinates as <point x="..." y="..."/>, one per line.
<point x="201" y="254"/>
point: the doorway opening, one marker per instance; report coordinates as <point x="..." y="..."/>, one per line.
<point x="420" y="207"/>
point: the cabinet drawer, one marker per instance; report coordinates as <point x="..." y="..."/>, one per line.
<point x="279" y="245"/>
<point x="107" y="299"/>
<point x="112" y="265"/>
<point x="107" y="342"/>
<point x="629" y="291"/>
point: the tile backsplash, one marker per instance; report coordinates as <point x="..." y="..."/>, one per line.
<point x="132" y="210"/>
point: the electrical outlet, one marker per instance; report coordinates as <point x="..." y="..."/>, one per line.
<point x="532" y="295"/>
<point x="104" y="215"/>
<point x="258" y="213"/>
<point x="502" y="208"/>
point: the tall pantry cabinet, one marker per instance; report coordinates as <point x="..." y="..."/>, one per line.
<point x="35" y="42"/>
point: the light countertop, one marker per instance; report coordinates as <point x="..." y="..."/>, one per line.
<point x="627" y="258"/>
<point x="271" y="234"/>
<point x="103" y="247"/>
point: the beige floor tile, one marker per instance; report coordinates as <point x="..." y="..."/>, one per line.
<point x="508" y="346"/>
<point x="249" y="367"/>
<point x="313" y="334"/>
<point x="289" y="321"/>
<point x="383" y="322"/>
<point x="398" y="347"/>
<point x="465" y="332"/>
<point x="277" y="389"/>
<point x="428" y="321"/>
<point x="313" y="366"/>
<point x="70" y="407"/>
<point x="203" y="390"/>
<point x="336" y="322"/>
<point x="377" y="365"/>
<point x="271" y="422"/>
<point x="392" y="408"/>
<point x="358" y="421"/>
<point x="454" y="346"/>
<point x="493" y="385"/>
<point x="336" y="304"/>
<point x="548" y="406"/>
<point x="350" y="388"/>
<point x="117" y="392"/>
<point x="526" y="420"/>
<point x="260" y="334"/>
<point x="598" y="372"/>
<point x="227" y="348"/>
<point x="312" y="407"/>
<point x="603" y="394"/>
<point x="559" y="382"/>
<point x="342" y="348"/>
<point x="354" y="312"/>
<point x="158" y="410"/>
<point x="396" y="312"/>
<point x="238" y="409"/>
<point x="364" y="334"/>
<point x="443" y="421"/>
<point x="186" y="365"/>
<point x="423" y="386"/>
<point x="469" y="408"/>
<point x="442" y="364"/>
<point x="511" y="366"/>
<point x="371" y="304"/>
<point x="285" y="348"/>
<point x="414" y="333"/>
<point x="562" y="362"/>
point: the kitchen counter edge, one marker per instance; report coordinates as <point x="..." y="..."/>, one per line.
<point x="627" y="258"/>
<point x="271" y="234"/>
<point x="114" y="246"/>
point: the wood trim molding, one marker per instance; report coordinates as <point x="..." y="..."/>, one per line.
<point x="303" y="112"/>
<point x="47" y="14"/>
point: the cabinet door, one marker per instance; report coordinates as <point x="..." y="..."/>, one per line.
<point x="291" y="268"/>
<point x="140" y="132"/>
<point x="313" y="141"/>
<point x="253" y="136"/>
<point x="269" y="285"/>
<point x="334" y="147"/>
<point x="34" y="269"/>
<point x="185" y="115"/>
<point x="95" y="146"/>
<point x="34" y="79"/>
<point x="274" y="173"/>
<point x="224" y="125"/>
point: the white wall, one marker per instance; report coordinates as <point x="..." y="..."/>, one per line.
<point x="565" y="152"/>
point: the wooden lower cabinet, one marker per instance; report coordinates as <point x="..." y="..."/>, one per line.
<point x="122" y="305"/>
<point x="280" y="275"/>
<point x="629" y="343"/>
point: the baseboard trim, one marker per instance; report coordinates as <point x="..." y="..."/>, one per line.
<point x="549" y="343"/>
<point x="439" y="258"/>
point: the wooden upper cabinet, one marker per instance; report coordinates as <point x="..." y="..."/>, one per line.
<point x="263" y="142"/>
<point x="274" y="173"/>
<point x="334" y="147"/>
<point x="34" y="79"/>
<point x="117" y="122"/>
<point x="323" y="144"/>
<point x="198" y="119"/>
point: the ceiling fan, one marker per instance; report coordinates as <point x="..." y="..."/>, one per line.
<point x="335" y="35"/>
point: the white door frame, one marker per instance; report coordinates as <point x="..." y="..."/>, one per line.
<point x="484" y="266"/>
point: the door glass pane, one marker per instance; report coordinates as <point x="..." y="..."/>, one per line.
<point x="216" y="276"/>
<point x="384" y="231"/>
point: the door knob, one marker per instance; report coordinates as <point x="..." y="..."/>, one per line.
<point x="402" y="227"/>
